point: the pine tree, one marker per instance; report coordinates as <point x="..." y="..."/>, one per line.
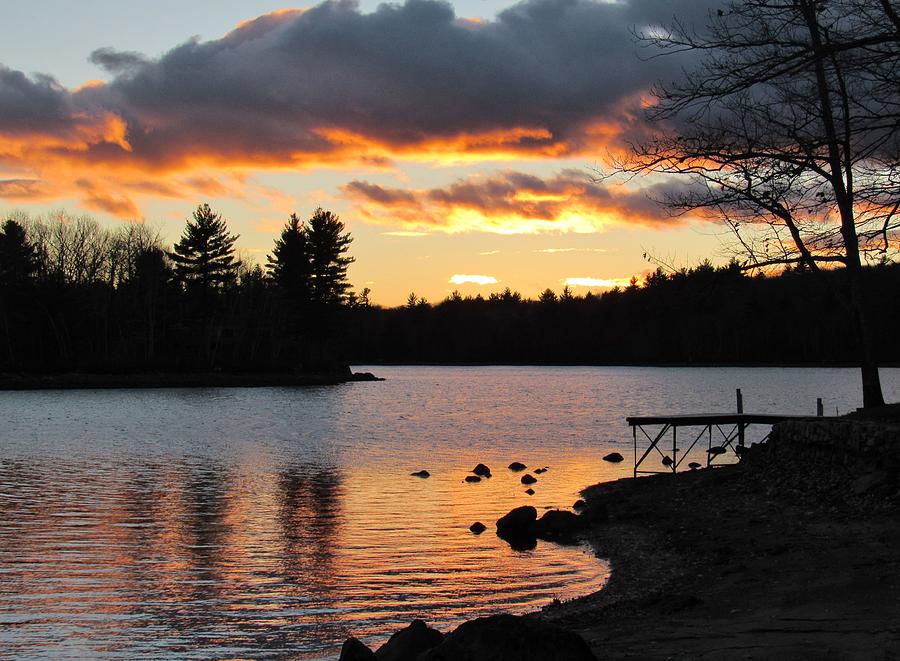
<point x="289" y="263"/>
<point x="204" y="257"/>
<point x="327" y="244"/>
<point x="18" y="258"/>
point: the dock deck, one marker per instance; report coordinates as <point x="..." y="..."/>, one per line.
<point x="730" y="428"/>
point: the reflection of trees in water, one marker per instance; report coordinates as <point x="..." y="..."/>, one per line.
<point x="309" y="513"/>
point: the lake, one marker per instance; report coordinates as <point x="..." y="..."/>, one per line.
<point x="275" y="522"/>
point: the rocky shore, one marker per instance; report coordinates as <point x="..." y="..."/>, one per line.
<point x="792" y="554"/>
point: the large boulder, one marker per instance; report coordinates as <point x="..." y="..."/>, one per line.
<point x="517" y="528"/>
<point x="409" y="643"/>
<point x="558" y="523"/>
<point x="354" y="650"/>
<point x="510" y="638"/>
<point x="518" y="521"/>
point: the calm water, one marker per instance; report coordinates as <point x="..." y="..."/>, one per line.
<point x="268" y="523"/>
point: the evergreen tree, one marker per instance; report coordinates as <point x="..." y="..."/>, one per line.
<point x="204" y="257"/>
<point x="289" y="263"/>
<point x="18" y="258"/>
<point x="327" y="244"/>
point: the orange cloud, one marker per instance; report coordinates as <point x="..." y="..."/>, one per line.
<point x="512" y="203"/>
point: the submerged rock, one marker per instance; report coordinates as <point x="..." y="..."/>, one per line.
<point x="472" y="478"/>
<point x="510" y="638"/>
<point x="478" y="527"/>
<point x="528" y="479"/>
<point x="354" y="650"/>
<point x="538" y="471"/>
<point x="517" y="466"/>
<point x="614" y="457"/>
<point x="482" y="470"/>
<point x="421" y="473"/>
<point x="407" y="644"/>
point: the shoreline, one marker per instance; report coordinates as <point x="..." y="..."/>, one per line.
<point x="750" y="561"/>
<point x="789" y="554"/>
<point x="100" y="381"/>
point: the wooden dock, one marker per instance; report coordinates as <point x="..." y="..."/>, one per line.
<point x="730" y="427"/>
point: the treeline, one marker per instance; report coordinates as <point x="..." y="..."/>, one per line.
<point x="75" y="296"/>
<point x="702" y="315"/>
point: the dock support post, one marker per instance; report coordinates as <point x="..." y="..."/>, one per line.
<point x="674" y="451"/>
<point x="820" y="409"/>
<point x="634" y="436"/>
<point x="740" y="409"/>
<point x="740" y="401"/>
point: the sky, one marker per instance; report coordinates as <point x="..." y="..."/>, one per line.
<point x="458" y="142"/>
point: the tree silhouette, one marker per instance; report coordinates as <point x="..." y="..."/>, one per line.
<point x="788" y="129"/>
<point x="327" y="244"/>
<point x="204" y="256"/>
<point x="289" y="263"/>
<point x="18" y="258"/>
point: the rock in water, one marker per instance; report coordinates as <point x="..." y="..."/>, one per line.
<point x="529" y="491"/>
<point x="517" y="522"/>
<point x="538" y="471"/>
<point x="510" y="638"/>
<point x="482" y="470"/>
<point x="579" y="504"/>
<point x="407" y="644"/>
<point x="667" y="461"/>
<point x="693" y="465"/>
<point x="422" y="473"/>
<point x="473" y="478"/>
<point x="478" y="527"/>
<point x="353" y="650"/>
<point x="558" y="523"/>
<point x="517" y="466"/>
<point x="528" y="479"/>
<point x="614" y="457"/>
<point x="716" y="450"/>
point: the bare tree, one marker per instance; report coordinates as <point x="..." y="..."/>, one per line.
<point x="786" y="124"/>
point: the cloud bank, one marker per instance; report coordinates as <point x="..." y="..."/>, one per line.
<point x="334" y="86"/>
<point x="513" y="202"/>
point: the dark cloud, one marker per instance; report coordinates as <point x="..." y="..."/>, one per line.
<point x="34" y="105"/>
<point x="115" y="61"/>
<point x="334" y="84"/>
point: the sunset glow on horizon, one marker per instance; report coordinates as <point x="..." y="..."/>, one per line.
<point x="479" y="139"/>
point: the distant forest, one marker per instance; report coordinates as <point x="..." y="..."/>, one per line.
<point x="697" y="316"/>
<point x="78" y="297"/>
